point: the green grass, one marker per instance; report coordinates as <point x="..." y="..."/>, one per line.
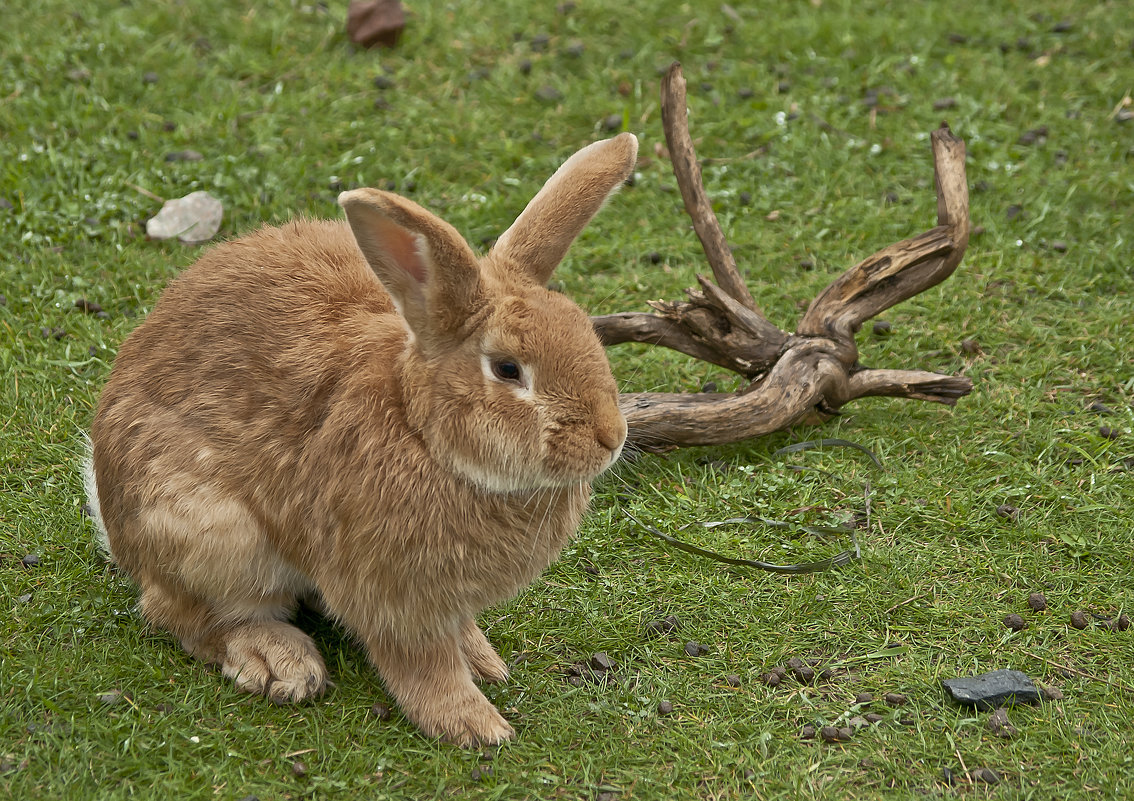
<point x="283" y="111"/>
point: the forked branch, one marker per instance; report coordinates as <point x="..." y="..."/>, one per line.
<point x="792" y="375"/>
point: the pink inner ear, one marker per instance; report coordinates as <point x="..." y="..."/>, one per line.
<point x="403" y="247"/>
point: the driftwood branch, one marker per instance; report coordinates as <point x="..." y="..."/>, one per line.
<point x="792" y="376"/>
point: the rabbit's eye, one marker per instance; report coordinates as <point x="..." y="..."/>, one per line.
<point x="507" y="370"/>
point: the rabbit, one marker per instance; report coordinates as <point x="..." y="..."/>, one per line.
<point x="366" y="413"/>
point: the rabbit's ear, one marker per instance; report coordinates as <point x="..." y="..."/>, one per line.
<point x="429" y="270"/>
<point x="540" y="236"/>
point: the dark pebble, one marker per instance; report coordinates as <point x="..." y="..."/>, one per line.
<point x="804" y="675"/>
<point x="575" y="681"/>
<point x="957" y="38"/>
<point x="653" y="256"/>
<point x="830" y="734"/>
<point x="709" y="386"/>
<point x="576" y="49"/>
<point x="298" y="769"/>
<point x="539" y="42"/>
<point x="806" y="264"/>
<point x="696" y="649"/>
<point x="882" y="328"/>
<point x="873" y="717"/>
<point x="525" y="67"/>
<point x="1122" y="623"/>
<point x="1080" y="619"/>
<point x="565" y="8"/>
<point x="772" y="679"/>
<point x="409" y="186"/>
<point x="986" y="775"/>
<point x="1051" y="692"/>
<point x="602" y="661"/>
<point x="1015" y="622"/>
<point x="1007" y="510"/>
<point x="970" y="346"/>
<point x="783" y="87"/>
<point x="1037" y="602"/>
<point x="169" y="126"/>
<point x="745" y="93"/>
<point x="864" y="698"/>
<point x="1101" y="408"/>
<point x="732" y="680"/>
<point x="858" y="722"/>
<point x="88" y="306"/>
<point x="481" y="772"/>
<point x="1034" y="135"/>
<point x="826" y="674"/>
<point x="895" y="699"/>
<point x="1062" y="27"/>
<point x="149" y="77"/>
<point x="1059" y="246"/>
<point x="998" y="724"/>
<point x="659" y="628"/>
<point x="745" y="198"/>
<point x="993" y="689"/>
<point x="30" y="561"/>
<point x="383" y="82"/>
<point x="1109" y="433"/>
<point x="1013" y="211"/>
<point x="380" y="711"/>
<point x="548" y="94"/>
<point x="612" y="122"/>
<point x="391" y="185"/>
<point x="807" y="732"/>
<point x="665" y="708"/>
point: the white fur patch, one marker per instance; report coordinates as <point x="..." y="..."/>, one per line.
<point x="91" y="487"/>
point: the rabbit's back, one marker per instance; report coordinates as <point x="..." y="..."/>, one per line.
<point x="240" y="361"/>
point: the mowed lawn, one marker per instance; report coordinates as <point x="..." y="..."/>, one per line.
<point x="813" y="120"/>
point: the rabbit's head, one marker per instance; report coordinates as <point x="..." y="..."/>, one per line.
<point x="505" y="381"/>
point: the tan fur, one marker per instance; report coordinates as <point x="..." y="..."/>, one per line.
<point x="277" y="429"/>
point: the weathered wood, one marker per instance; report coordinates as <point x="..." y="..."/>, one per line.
<point x="675" y="120"/>
<point x="793" y="376"/>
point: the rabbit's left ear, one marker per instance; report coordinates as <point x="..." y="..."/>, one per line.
<point x="429" y="270"/>
<point x="538" y="239"/>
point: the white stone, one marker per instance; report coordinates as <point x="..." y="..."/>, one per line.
<point x="193" y="219"/>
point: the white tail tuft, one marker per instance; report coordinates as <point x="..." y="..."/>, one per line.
<point x="92" y="499"/>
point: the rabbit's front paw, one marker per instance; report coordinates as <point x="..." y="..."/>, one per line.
<point x="275" y="659"/>
<point x="483" y="660"/>
<point x="472" y="724"/>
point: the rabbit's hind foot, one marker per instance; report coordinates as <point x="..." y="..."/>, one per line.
<point x="275" y="659"/>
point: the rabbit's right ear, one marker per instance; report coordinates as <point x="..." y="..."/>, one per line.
<point x="427" y="267"/>
<point x="538" y="239"/>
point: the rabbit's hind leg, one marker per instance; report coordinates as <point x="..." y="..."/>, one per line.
<point x="258" y="650"/>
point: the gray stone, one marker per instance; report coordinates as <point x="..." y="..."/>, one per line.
<point x="995" y="689"/>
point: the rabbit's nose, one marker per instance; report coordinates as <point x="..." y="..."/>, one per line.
<point x="611" y="433"/>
